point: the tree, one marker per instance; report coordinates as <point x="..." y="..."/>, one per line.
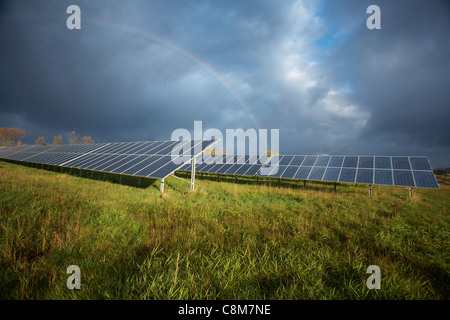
<point x="72" y="136"/>
<point x="10" y="136"/>
<point x="87" y="140"/>
<point x="57" y="140"/>
<point x="40" y="141"/>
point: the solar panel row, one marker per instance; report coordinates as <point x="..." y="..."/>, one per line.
<point x="154" y="159"/>
<point x="147" y="159"/>
<point x="373" y="170"/>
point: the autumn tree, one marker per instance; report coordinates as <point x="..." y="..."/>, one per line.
<point x="72" y="136"/>
<point x="10" y="136"/>
<point x="57" y="140"/>
<point x="40" y="141"/>
<point x="87" y="140"/>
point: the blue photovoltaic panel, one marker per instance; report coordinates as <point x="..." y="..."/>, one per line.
<point x="400" y="163"/>
<point x="309" y="161"/>
<point x="225" y="168"/>
<point x="243" y="169"/>
<point x="290" y="172"/>
<point x="366" y="162"/>
<point x="347" y="175"/>
<point x="285" y="160"/>
<point x="364" y="176"/>
<point x="425" y="179"/>
<point x="336" y="161"/>
<point x="383" y="177"/>
<point x="350" y="162"/>
<point x="303" y="173"/>
<point x="332" y="174"/>
<point x="279" y="172"/>
<point x="403" y="178"/>
<point x="383" y="163"/>
<point x="322" y="161"/>
<point x="154" y="159"/>
<point x="297" y="160"/>
<point x="316" y="173"/>
<point x="253" y="170"/>
<point x="149" y="158"/>
<point x="420" y="163"/>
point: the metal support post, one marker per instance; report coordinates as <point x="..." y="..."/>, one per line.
<point x="162" y="185"/>
<point x="193" y="174"/>
<point x="370" y="190"/>
<point x="410" y="192"/>
<point x="120" y="178"/>
<point x="139" y="181"/>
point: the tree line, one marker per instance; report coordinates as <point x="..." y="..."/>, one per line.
<point x="14" y="136"/>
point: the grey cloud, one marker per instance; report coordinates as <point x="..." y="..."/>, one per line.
<point x="140" y="69"/>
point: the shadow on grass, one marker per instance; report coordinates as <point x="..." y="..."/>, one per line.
<point x="143" y="182"/>
<point x="132" y="181"/>
<point x="265" y="181"/>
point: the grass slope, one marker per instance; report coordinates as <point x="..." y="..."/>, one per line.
<point x="225" y="241"/>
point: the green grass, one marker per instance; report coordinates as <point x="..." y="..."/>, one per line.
<point x="226" y="240"/>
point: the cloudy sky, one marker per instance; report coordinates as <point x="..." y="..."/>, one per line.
<point x="138" y="70"/>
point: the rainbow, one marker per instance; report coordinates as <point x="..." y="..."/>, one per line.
<point x="164" y="43"/>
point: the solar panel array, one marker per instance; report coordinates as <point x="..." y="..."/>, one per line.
<point x="240" y="165"/>
<point x="151" y="159"/>
<point x="372" y="170"/>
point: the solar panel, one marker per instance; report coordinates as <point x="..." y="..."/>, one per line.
<point x="364" y="176"/>
<point x="151" y="159"/>
<point x="347" y="175"/>
<point x="372" y="170"/>
<point x="425" y="179"/>
<point x="154" y="159"/>
<point x="332" y="174"/>
<point x="383" y="177"/>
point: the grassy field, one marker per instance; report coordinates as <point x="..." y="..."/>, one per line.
<point x="227" y="240"/>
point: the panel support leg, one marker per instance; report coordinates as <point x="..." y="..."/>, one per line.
<point x="161" y="188"/>
<point x="410" y="192"/>
<point x="370" y="190"/>
<point x="139" y="181"/>
<point x="335" y="186"/>
<point x="193" y="174"/>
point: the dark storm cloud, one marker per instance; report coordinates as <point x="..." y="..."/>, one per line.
<point x="137" y="70"/>
<point x="401" y="74"/>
